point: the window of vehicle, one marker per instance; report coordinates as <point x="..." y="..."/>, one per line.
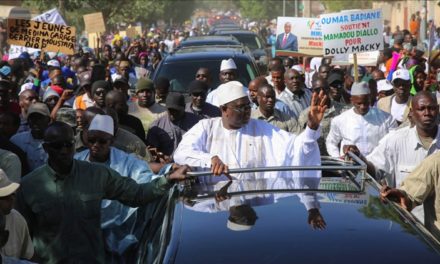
<point x="251" y="41"/>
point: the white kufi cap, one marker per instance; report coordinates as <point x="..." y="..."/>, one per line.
<point x="401" y="74"/>
<point x="102" y="123"/>
<point x="230" y="91"/>
<point x="360" y="88"/>
<point x="228" y="64"/>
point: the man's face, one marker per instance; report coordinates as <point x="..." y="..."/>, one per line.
<point x="287" y="63"/>
<point x="99" y="144"/>
<point x="253" y="90"/>
<point x="38" y="124"/>
<point x="145" y="98"/>
<point x="378" y="75"/>
<point x="6" y="204"/>
<point x="161" y="93"/>
<point x="361" y="103"/>
<point x="203" y="75"/>
<point x="407" y="38"/>
<point x="198" y="99"/>
<point x="402" y="89"/>
<point x="424" y="112"/>
<point x="323" y="71"/>
<point x="124" y="68"/>
<point x="278" y="80"/>
<point x="27" y="98"/>
<point x="287" y="28"/>
<point x="293" y="81"/>
<point x="335" y="90"/>
<point x="175" y="114"/>
<point x="266" y="99"/>
<point x="118" y="104"/>
<point x="60" y="145"/>
<point x="99" y="96"/>
<point x="237" y="113"/>
<point x="420" y="80"/>
<point x="227" y="76"/>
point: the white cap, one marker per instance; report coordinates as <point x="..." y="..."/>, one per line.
<point x="53" y="63"/>
<point x="384" y="85"/>
<point x="315" y="62"/>
<point x="229" y="92"/>
<point x="401" y="74"/>
<point x="102" y="123"/>
<point x="26" y="86"/>
<point x="238" y="227"/>
<point x="228" y="64"/>
<point x="7" y="187"/>
<point x="360" y="88"/>
<point x="298" y="68"/>
<point x="51" y="54"/>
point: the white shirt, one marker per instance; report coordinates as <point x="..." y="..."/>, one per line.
<point x="399" y="152"/>
<point x="257" y="144"/>
<point x="397" y="110"/>
<point x="364" y="131"/>
<point x="19" y="244"/>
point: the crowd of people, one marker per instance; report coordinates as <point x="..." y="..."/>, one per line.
<point x="87" y="138"/>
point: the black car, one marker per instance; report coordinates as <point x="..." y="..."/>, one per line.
<point x="208" y="40"/>
<point x="264" y="219"/>
<point x="251" y="40"/>
<point x="181" y="67"/>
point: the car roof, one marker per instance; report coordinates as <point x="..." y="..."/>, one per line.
<point x="209" y="40"/>
<point x="207" y="52"/>
<point x="221" y="32"/>
<point x="357" y="222"/>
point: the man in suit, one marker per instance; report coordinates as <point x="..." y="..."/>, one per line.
<point x="286" y="40"/>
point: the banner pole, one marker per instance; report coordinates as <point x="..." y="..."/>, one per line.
<point x="355" y="65"/>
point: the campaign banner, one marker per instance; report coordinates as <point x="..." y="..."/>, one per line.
<point x="41" y="35"/>
<point x="352" y="31"/>
<point x="51" y="16"/>
<point x="298" y="35"/>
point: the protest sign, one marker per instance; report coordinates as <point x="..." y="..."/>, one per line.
<point x="131" y="32"/>
<point x="352" y="31"/>
<point x="94" y="23"/>
<point x="363" y="59"/>
<point x="93" y="40"/>
<point x="51" y="16"/>
<point x="41" y="35"/>
<point x="304" y="36"/>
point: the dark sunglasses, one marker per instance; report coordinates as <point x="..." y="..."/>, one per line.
<point x="60" y="144"/>
<point x="101" y="141"/>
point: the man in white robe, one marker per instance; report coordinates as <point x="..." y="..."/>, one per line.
<point x="236" y="141"/>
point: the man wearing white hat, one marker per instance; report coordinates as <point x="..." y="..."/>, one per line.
<point x="398" y="104"/>
<point x="19" y="244"/>
<point x="228" y="73"/>
<point x="61" y="200"/>
<point x="25" y="99"/>
<point x="118" y="222"/>
<point x="362" y="125"/>
<point x="402" y="150"/>
<point x="236" y="141"/>
<point x="384" y="88"/>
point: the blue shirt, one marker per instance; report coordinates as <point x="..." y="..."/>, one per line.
<point x="118" y="221"/>
<point x="36" y="156"/>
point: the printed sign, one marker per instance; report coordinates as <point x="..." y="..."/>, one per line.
<point x="94" y="23"/>
<point x="352" y="32"/>
<point x="298" y="35"/>
<point x="363" y="59"/>
<point x="41" y="35"/>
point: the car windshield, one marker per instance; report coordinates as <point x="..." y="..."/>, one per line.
<point x="182" y="73"/>
<point x="251" y="41"/>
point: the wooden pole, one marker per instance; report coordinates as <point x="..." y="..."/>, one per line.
<point x="356" y="73"/>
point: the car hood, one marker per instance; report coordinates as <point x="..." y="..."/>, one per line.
<point x="360" y="229"/>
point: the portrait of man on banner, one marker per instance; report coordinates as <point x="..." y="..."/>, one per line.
<point x="287" y="40"/>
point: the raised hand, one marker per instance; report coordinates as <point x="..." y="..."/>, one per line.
<point x="317" y="109"/>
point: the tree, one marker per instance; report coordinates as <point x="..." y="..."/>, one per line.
<point x="338" y="5"/>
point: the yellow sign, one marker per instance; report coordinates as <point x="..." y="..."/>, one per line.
<point x="42" y="35"/>
<point x="94" y="23"/>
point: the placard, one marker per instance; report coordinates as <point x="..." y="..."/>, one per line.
<point x="352" y="32"/>
<point x="131" y="33"/>
<point x="41" y="35"/>
<point x="298" y="35"/>
<point x="94" y="23"/>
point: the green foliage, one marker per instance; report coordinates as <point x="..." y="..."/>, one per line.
<point x="338" y="5"/>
